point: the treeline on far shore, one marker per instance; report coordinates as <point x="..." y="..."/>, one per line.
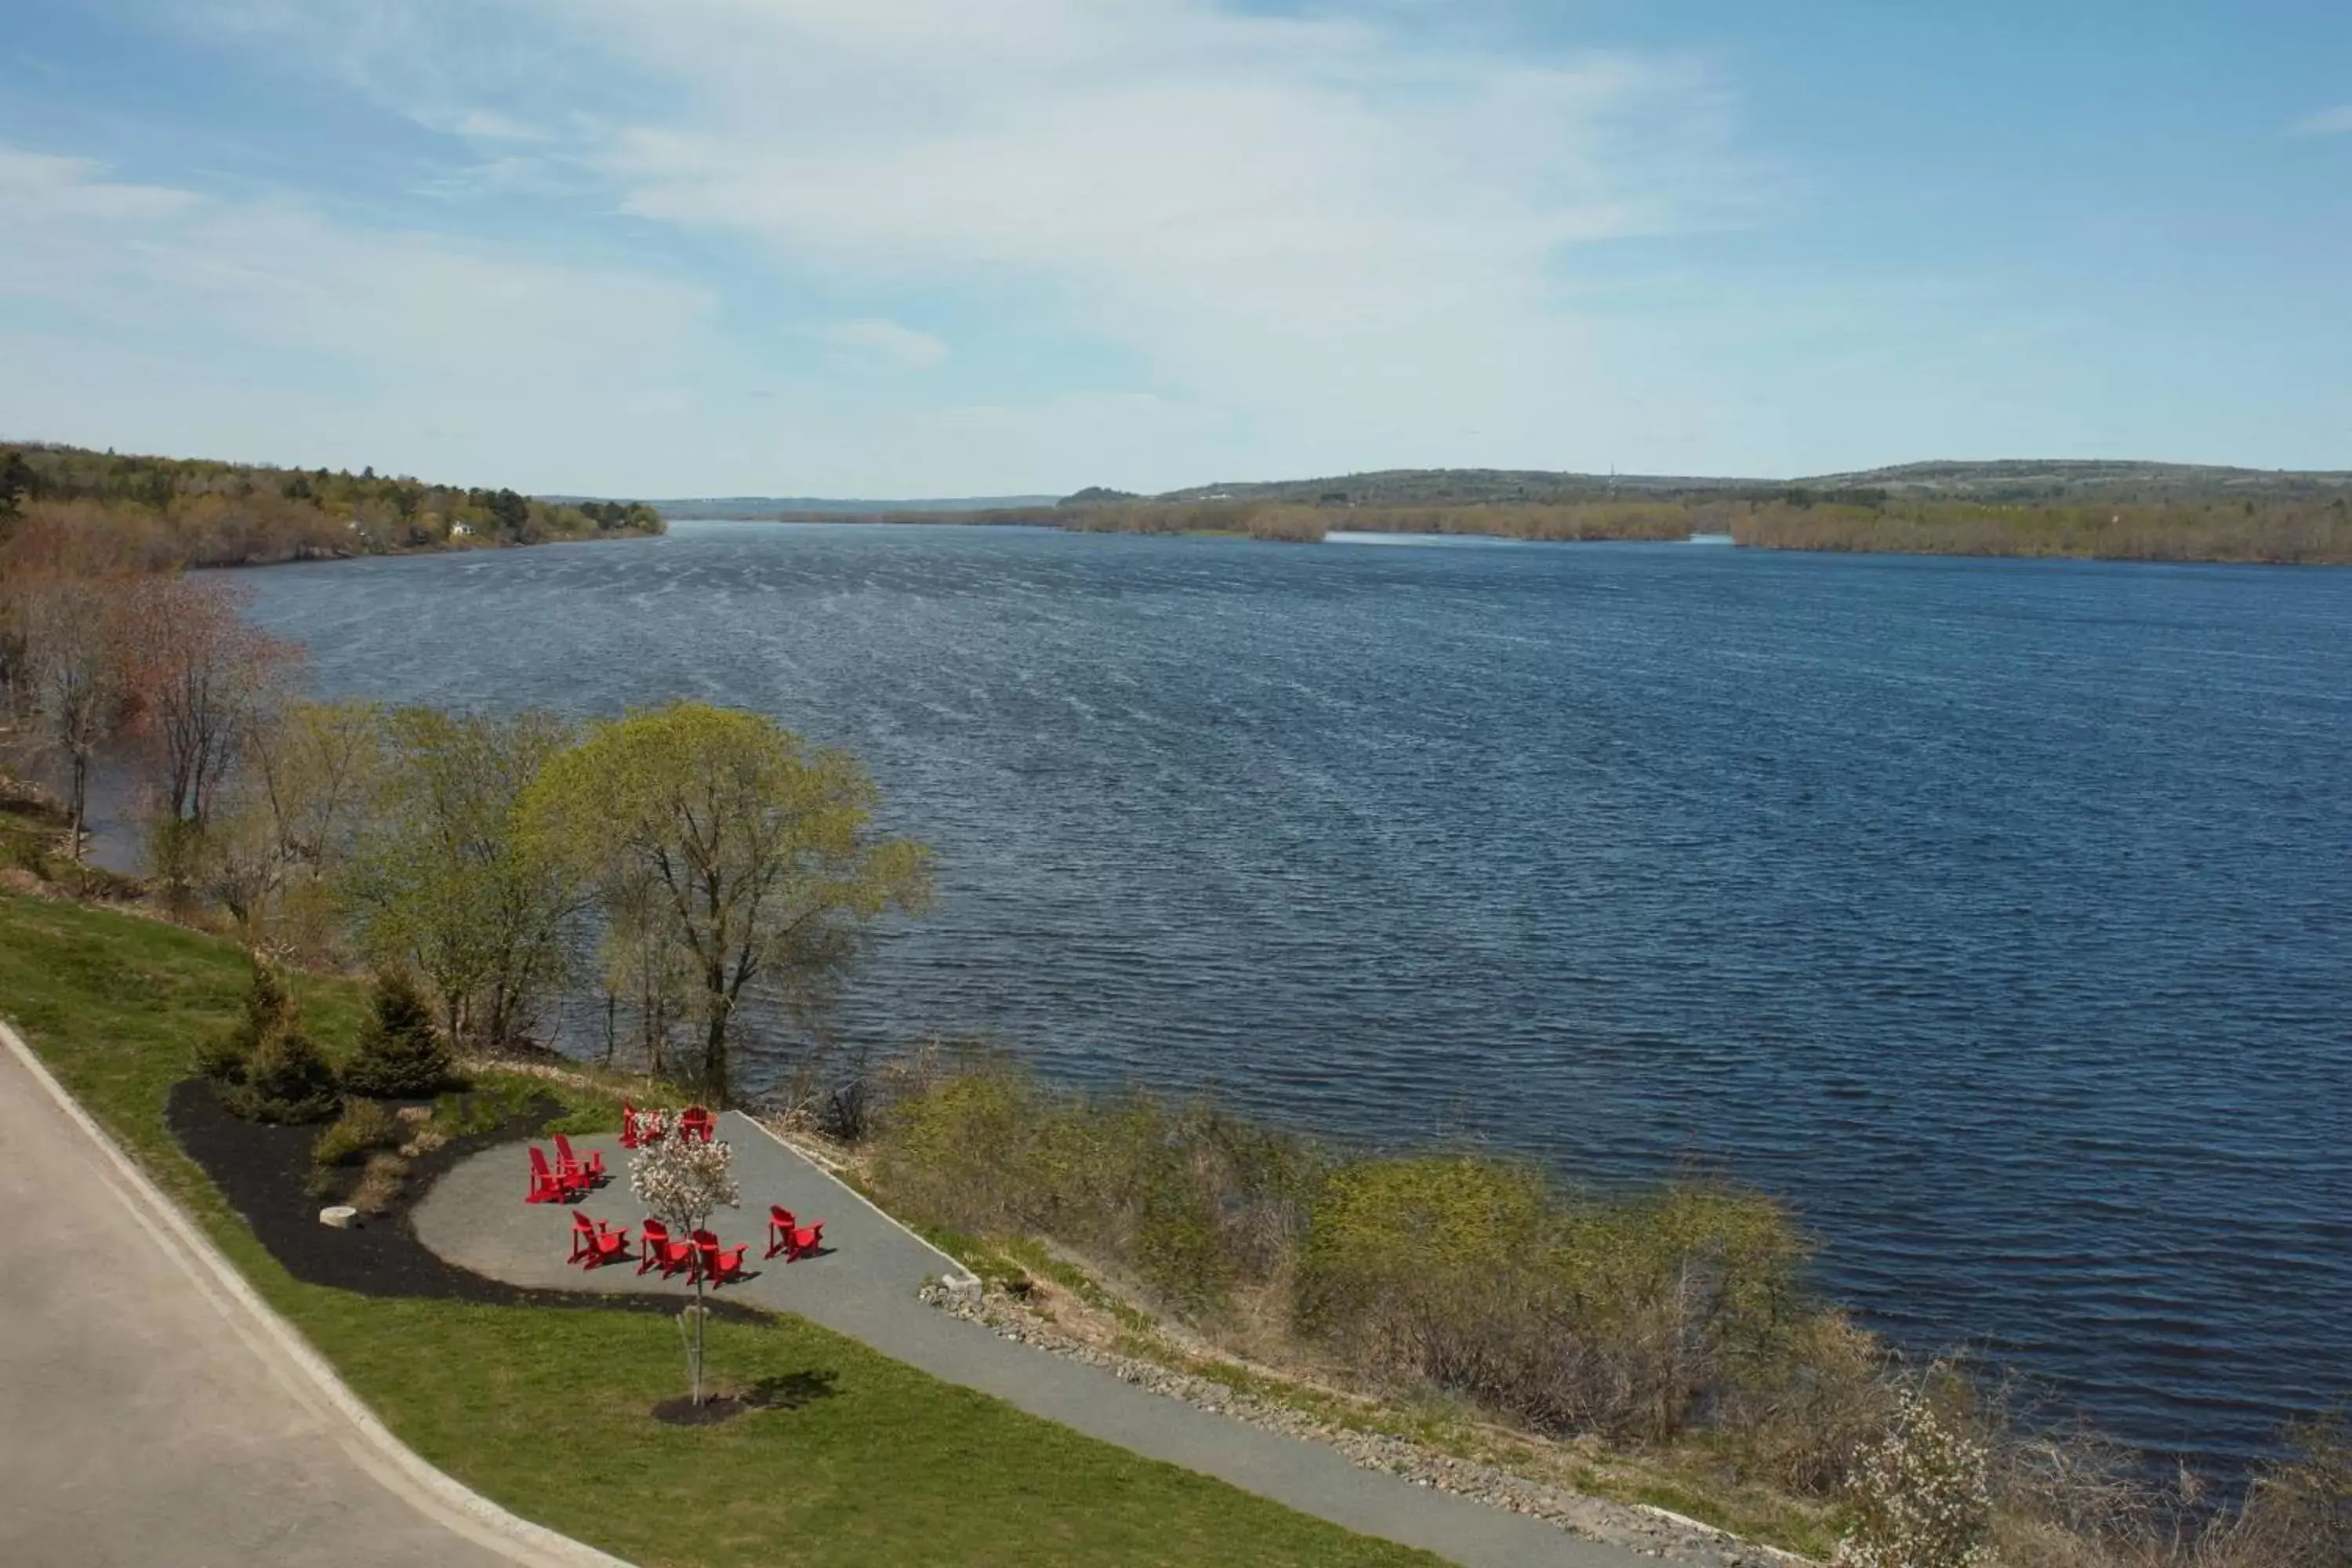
<point x="1296" y="522"/>
<point x="2304" y="531"/>
<point x="2297" y="529"/>
<point x="178" y="511"/>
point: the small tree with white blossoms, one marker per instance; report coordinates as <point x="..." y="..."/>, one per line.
<point x="1920" y="1497"/>
<point x="680" y="1181"/>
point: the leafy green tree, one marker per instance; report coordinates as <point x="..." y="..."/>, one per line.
<point x="444" y="879"/>
<point x="758" y="849"/>
<point x="511" y="510"/>
<point x="401" y="1053"/>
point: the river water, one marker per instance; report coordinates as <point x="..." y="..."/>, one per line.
<point x="1998" y="914"/>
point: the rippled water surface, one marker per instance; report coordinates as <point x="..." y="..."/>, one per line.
<point x="1998" y="913"/>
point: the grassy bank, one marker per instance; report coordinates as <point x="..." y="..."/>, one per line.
<point x="879" y="1464"/>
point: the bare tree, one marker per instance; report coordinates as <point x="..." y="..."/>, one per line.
<point x="290" y="819"/>
<point x="73" y="670"/>
<point x="199" y="677"/>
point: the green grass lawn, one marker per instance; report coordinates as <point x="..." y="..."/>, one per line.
<point x="547" y="1410"/>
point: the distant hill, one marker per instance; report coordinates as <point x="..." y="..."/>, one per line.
<point x="755" y="508"/>
<point x="1458" y="487"/>
<point x="2004" y="479"/>
<point x="2028" y="479"/>
<point x="2105" y="510"/>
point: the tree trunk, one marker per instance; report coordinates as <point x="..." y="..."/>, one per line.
<point x="701" y="1317"/>
<point x="714" y="1062"/>
<point x="80" y="798"/>
<point x="714" y="1045"/>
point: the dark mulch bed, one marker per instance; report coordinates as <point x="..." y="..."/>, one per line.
<point x="262" y="1171"/>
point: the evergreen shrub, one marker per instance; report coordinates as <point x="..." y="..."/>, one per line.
<point x="401" y="1053"/>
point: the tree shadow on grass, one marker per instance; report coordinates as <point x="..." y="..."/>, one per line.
<point x="793" y="1390"/>
<point x="789" y="1392"/>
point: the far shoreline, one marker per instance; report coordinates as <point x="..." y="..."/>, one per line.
<point x="1361" y="534"/>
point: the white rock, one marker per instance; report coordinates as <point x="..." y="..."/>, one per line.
<point x="338" y="1217"/>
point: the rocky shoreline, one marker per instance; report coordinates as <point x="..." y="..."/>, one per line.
<point x="1653" y="1532"/>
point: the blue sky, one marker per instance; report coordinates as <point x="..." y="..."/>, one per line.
<point x="897" y="247"/>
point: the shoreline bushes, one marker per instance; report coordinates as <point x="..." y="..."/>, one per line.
<point x="1643" y="1317"/>
<point x="1674" y="1320"/>
<point x="1639" y="1317"/>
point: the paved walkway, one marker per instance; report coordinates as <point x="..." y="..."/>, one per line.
<point x="149" y="1415"/>
<point x="865" y="1289"/>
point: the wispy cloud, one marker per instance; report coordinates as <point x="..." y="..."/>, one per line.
<point x="876" y="341"/>
<point x="1333" y="231"/>
<point x="179" y="320"/>
<point x="1293" y="214"/>
<point x="488" y="125"/>
<point x="130" y="253"/>
<point x="2337" y="121"/>
<point x="48" y="197"/>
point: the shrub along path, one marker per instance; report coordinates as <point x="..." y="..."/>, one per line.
<point x="866" y="1288"/>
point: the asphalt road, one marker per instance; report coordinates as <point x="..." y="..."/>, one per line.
<point x="148" y="1417"/>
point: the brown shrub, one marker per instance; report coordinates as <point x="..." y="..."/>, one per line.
<point x="380" y="1183"/>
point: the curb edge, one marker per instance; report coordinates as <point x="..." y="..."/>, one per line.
<point x="431" y="1490"/>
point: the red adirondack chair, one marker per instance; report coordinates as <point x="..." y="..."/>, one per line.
<point x="628" y="1125"/>
<point x="695" y="1122"/>
<point x="593" y="1242"/>
<point x="660" y="1250"/>
<point x="548" y="1186"/>
<point x="720" y="1265"/>
<point x="805" y="1242"/>
<point x="780" y="1229"/>
<point x="590" y="1171"/>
